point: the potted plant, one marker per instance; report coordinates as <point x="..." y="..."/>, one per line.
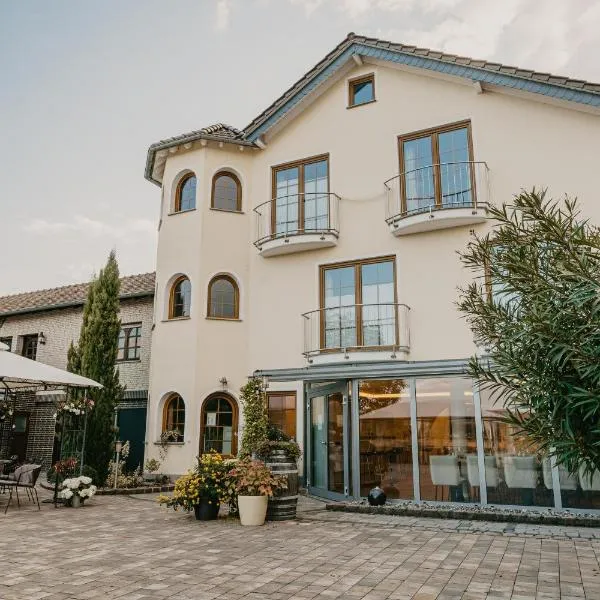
<point x="200" y="490"/>
<point x="76" y="489"/>
<point x="152" y="467"/>
<point x="254" y="484"/>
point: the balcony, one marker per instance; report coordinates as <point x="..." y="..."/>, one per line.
<point x="437" y="196"/>
<point x="357" y="332"/>
<point x="297" y="223"/>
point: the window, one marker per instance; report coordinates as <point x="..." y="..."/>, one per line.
<point x="219" y="425"/>
<point x="361" y="90"/>
<point x="282" y="411"/>
<point x="130" y="342"/>
<point x="7" y="341"/>
<point x="185" y="195"/>
<point x="223" y="298"/>
<point x="174" y="416"/>
<point x="226" y="192"/>
<point x="29" y="349"/>
<point x="358" y="304"/>
<point x="436" y="168"/>
<point x="301" y="197"/>
<point x="181" y="297"/>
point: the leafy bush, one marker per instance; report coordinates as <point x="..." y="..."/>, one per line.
<point x="253" y="478"/>
<point x="291" y="448"/>
<point x="275" y="434"/>
<point x="256" y="418"/>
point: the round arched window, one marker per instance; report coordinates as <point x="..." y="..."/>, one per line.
<point x="181" y="298"/>
<point x="185" y="197"/>
<point x="223" y="298"/>
<point x="174" y="416"/>
<point x="226" y="192"/>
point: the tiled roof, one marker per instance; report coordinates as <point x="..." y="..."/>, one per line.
<point x="71" y="295"/>
<point x="486" y="72"/>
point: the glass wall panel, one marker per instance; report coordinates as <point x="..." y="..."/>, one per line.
<point x="335" y="442"/>
<point x="516" y="473"/>
<point x="385" y="437"/>
<point x="447" y="444"/>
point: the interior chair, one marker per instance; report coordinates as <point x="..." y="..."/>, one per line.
<point x="444" y="472"/>
<point x="590" y="482"/>
<point x="566" y="480"/>
<point x="520" y="472"/>
<point x="492" y="477"/>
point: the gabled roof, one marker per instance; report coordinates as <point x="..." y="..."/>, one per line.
<point x="132" y="286"/>
<point x="482" y="71"/>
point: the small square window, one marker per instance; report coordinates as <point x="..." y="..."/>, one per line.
<point x="361" y="90"/>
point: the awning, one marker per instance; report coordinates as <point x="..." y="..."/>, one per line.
<point x="19" y="372"/>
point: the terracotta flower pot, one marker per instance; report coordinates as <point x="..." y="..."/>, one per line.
<point x="253" y="509"/>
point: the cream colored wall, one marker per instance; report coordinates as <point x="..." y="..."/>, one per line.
<point x="524" y="143"/>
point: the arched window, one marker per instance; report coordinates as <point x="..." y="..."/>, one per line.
<point x="185" y="195"/>
<point x="223" y="298"/>
<point x="226" y="192"/>
<point x="181" y="297"/>
<point x="219" y="423"/>
<point x="174" y="416"/>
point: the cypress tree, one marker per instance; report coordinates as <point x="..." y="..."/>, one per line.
<point x="94" y="357"/>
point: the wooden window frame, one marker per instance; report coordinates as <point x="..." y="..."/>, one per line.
<point x="225" y="173"/>
<point x="434" y="133"/>
<point x="173" y="397"/>
<point x="300" y="164"/>
<point x="172" y="299"/>
<point x="356" y="81"/>
<point x="236" y="294"/>
<point x="178" y="189"/>
<point x="127" y="328"/>
<point x="26" y="339"/>
<point x="357" y="264"/>
<point x="285" y="393"/>
<point x="234" y="421"/>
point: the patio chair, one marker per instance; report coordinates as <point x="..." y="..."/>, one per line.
<point x="24" y="477"/>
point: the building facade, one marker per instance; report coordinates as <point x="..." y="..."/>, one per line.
<point x="41" y="325"/>
<point x="317" y="248"/>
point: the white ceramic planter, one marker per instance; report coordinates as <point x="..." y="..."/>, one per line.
<point x="253" y="509"/>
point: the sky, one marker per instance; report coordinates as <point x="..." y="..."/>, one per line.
<point x="86" y="86"/>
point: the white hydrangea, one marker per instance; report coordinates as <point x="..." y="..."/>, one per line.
<point x="85" y="480"/>
<point x="66" y="494"/>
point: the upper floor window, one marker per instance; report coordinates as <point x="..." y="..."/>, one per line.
<point x="301" y="196"/>
<point x="181" y="298"/>
<point x="30" y="344"/>
<point x="436" y="168"/>
<point x="185" y="194"/>
<point x="174" y="416"/>
<point x="130" y="342"/>
<point x="7" y="341"/>
<point x="282" y="411"/>
<point x="361" y="90"/>
<point x="226" y="192"/>
<point x="358" y="304"/>
<point x="223" y="298"/>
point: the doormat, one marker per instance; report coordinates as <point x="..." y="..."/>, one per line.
<point x="537" y="516"/>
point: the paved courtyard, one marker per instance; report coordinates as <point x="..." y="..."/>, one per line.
<point x="129" y="548"/>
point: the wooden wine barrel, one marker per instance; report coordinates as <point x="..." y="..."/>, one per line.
<point x="282" y="507"/>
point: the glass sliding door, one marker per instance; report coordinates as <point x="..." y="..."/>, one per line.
<point x="287" y="190"/>
<point x="436" y="169"/>
<point x="301" y="197"/>
<point x="385" y="438"/>
<point x="339" y="314"/>
<point x="359" y="305"/>
<point x="328" y="471"/>
<point x="448" y="463"/>
<point x="316" y="197"/>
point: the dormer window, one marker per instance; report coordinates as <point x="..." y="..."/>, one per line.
<point x="361" y="90"/>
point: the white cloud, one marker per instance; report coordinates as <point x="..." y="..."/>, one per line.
<point x="133" y="228"/>
<point x="223" y="15"/>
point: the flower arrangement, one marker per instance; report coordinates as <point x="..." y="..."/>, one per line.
<point x="253" y="478"/>
<point x="74" y="406"/>
<point x="77" y="486"/>
<point x="6" y="408"/>
<point x="186" y="493"/>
